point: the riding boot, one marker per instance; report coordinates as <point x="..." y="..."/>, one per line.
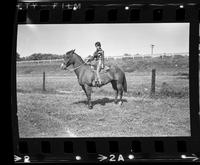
<point x="98" y="79"/>
<point x="99" y="82"/>
<point x="96" y="82"/>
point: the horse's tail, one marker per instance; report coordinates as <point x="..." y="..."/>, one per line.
<point x="124" y="84"/>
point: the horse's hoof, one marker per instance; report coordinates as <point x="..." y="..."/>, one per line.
<point x="120" y="103"/>
<point x="90" y="106"/>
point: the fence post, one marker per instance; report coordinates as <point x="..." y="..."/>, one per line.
<point x="43" y="84"/>
<point x="153" y="81"/>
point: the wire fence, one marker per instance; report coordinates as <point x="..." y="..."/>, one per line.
<point x="134" y="57"/>
<point x="40" y="61"/>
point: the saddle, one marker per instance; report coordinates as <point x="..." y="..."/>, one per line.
<point x="103" y="70"/>
<point x="93" y="65"/>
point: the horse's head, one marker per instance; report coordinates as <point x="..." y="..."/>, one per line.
<point x="68" y="59"/>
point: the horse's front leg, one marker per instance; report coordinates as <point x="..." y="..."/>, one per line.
<point x="88" y="90"/>
<point x="116" y="95"/>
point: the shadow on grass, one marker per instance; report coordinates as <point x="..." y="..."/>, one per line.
<point x="102" y="101"/>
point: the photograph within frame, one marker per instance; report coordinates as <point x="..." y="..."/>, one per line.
<point x="154" y="58"/>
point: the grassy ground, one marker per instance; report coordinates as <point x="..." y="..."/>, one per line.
<point x="61" y="110"/>
<point x="60" y="115"/>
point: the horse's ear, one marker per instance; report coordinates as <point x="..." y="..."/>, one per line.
<point x="74" y="50"/>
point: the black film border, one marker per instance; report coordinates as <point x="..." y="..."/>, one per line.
<point x="137" y="149"/>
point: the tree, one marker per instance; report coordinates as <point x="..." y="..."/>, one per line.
<point x="43" y="56"/>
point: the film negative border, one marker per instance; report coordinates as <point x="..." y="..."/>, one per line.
<point x="107" y="150"/>
<point x="136" y="149"/>
<point x="81" y="12"/>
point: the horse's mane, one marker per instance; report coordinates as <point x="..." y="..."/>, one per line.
<point x="79" y="57"/>
<point x="69" y="52"/>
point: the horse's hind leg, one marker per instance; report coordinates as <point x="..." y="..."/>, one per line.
<point x="120" y="89"/>
<point x="114" y="85"/>
<point x="88" y="91"/>
<point x="120" y="96"/>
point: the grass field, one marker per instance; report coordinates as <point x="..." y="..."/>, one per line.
<point x="61" y="110"/>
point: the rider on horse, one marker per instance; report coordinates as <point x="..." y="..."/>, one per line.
<point x="98" y="55"/>
<point x="98" y="58"/>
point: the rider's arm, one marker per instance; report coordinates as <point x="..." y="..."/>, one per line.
<point x="101" y="51"/>
<point x="103" y="64"/>
<point x="95" y="55"/>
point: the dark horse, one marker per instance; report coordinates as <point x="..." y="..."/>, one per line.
<point x="86" y="76"/>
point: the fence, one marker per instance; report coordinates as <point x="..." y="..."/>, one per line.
<point x="153" y="82"/>
<point x="134" y="57"/>
<point x="40" y="61"/>
<point x="148" y="56"/>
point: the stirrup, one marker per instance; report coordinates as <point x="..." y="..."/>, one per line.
<point x="99" y="84"/>
<point x="106" y="68"/>
<point x="96" y="83"/>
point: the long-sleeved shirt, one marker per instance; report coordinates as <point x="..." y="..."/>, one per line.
<point x="99" y="54"/>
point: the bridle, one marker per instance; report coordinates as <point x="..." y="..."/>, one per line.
<point x="71" y="70"/>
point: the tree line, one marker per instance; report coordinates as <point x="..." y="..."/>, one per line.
<point x="38" y="56"/>
<point x="49" y="56"/>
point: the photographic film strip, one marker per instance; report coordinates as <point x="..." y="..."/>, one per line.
<point x="103" y="12"/>
<point x="155" y="120"/>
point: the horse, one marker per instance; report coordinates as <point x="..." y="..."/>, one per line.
<point x="86" y="76"/>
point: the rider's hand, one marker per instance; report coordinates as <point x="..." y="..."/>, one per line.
<point x="86" y="61"/>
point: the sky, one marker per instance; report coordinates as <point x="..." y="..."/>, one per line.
<point x="116" y="39"/>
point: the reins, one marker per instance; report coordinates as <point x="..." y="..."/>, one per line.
<point x="71" y="70"/>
